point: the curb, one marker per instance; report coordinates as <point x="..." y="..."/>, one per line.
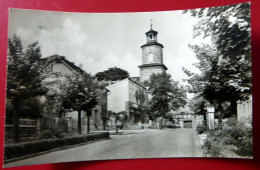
<point x="196" y="138"/>
<point x="52" y="150"/>
<point x="125" y="132"/>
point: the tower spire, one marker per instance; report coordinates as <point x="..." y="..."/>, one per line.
<point x="151" y="24"/>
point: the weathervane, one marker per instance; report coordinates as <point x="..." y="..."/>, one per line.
<point x="151" y="24"/>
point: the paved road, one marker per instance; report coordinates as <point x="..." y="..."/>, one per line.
<point x="153" y="143"/>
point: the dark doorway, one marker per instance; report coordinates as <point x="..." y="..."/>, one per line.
<point x="188" y="124"/>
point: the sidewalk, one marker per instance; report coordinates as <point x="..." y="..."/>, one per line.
<point x="203" y="138"/>
<point x="198" y="143"/>
<point x="123" y="132"/>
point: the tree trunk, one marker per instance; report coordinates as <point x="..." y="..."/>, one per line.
<point x="79" y="122"/>
<point x="15" y="120"/>
<point x="88" y="126"/>
<point x="219" y="113"/>
<point x="233" y="104"/>
<point x="117" y="127"/>
<point x="104" y="124"/>
<point x="160" y="120"/>
<point x="205" y="118"/>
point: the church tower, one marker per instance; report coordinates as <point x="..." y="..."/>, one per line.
<point x="152" y="57"/>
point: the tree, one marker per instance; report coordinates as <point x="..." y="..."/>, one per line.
<point x="228" y="26"/>
<point x="166" y="95"/>
<point x="79" y="95"/>
<point x="23" y="81"/>
<point x="197" y="104"/>
<point x="112" y="74"/>
<point x="226" y="64"/>
<point x="209" y="85"/>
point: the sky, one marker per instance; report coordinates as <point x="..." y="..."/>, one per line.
<point x="99" y="41"/>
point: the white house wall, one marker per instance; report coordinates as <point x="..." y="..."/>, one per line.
<point x="61" y="68"/>
<point x="118" y="96"/>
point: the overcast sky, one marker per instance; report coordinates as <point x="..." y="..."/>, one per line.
<point x="99" y="41"/>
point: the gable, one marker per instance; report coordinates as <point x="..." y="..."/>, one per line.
<point x="61" y="68"/>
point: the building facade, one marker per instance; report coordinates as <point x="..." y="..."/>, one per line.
<point x="188" y="120"/>
<point x="61" y="66"/>
<point x="130" y="97"/>
<point x="152" y="57"/>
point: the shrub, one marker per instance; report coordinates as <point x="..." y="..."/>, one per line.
<point x="51" y="134"/>
<point x="201" y="129"/>
<point x="231" y="138"/>
<point x="17" y="150"/>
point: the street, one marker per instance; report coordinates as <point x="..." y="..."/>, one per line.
<point x="150" y="144"/>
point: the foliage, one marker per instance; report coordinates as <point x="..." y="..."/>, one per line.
<point x="226" y="64"/>
<point x="51" y="134"/>
<point x="56" y="85"/>
<point x="79" y="95"/>
<point x="197" y="105"/>
<point x="201" y="129"/>
<point x="140" y="96"/>
<point x="23" y="81"/>
<point x="29" y="108"/>
<point x="170" y="117"/>
<point x="228" y="26"/>
<point x="24" y="78"/>
<point x="112" y="74"/>
<point x="166" y="95"/>
<point x="232" y="137"/>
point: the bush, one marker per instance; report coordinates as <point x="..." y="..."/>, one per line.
<point x="232" y="138"/>
<point x="201" y="129"/>
<point x="18" y="150"/>
<point x="51" y="134"/>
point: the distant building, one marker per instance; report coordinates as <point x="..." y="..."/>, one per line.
<point x="187" y="120"/>
<point x="128" y="96"/>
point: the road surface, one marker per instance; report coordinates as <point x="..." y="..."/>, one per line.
<point x="151" y="144"/>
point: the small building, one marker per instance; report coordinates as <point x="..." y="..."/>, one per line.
<point x="188" y="120"/>
<point x="130" y="97"/>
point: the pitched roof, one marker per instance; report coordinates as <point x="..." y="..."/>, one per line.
<point x="62" y="59"/>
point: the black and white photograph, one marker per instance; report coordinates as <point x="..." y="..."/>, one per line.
<point x="102" y="86"/>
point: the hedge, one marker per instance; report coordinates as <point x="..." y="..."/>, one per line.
<point x="23" y="149"/>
